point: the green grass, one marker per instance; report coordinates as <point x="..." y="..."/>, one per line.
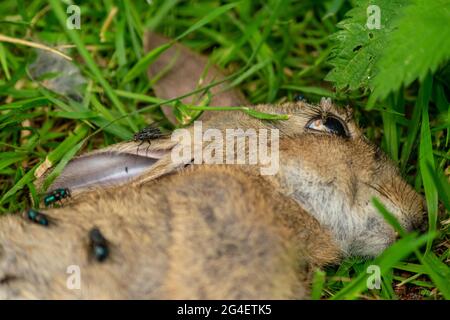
<point x="273" y="50"/>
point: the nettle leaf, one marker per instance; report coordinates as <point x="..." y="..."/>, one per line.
<point x="413" y="40"/>
<point x="359" y="48"/>
<point x="419" y="44"/>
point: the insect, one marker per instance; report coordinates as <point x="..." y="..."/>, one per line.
<point x="147" y="134"/>
<point x="56" y="195"/>
<point x="37" y="217"/>
<point x="98" y="245"/>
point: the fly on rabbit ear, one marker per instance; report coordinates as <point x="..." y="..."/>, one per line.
<point x="149" y="133"/>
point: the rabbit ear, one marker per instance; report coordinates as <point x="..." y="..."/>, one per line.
<point x="114" y="165"/>
<point x="102" y="169"/>
<point x="326" y="103"/>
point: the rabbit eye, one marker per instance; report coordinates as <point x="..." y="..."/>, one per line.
<point x="329" y="124"/>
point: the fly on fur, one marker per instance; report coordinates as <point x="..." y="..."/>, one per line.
<point x="148" y="134"/>
<point x="37" y="217"/>
<point x="56" y="196"/>
<point x="98" y="245"/>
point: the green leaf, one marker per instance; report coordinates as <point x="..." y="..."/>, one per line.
<point x="418" y="45"/>
<point x="358" y="48"/>
<point x="410" y="43"/>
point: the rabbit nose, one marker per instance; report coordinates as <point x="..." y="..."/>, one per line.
<point x="409" y="228"/>
<point x="421" y="226"/>
<point x="415" y="224"/>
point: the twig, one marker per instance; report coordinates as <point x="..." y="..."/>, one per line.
<point x="107" y="22"/>
<point x="4" y="38"/>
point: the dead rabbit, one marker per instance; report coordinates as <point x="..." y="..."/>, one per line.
<point x="179" y="230"/>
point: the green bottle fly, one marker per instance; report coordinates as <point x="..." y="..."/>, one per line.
<point x="56" y="195"/>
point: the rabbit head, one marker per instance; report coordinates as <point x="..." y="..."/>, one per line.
<point x="334" y="172"/>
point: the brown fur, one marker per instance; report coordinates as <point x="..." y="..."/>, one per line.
<point x="210" y="232"/>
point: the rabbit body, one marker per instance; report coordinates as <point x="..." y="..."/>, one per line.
<point x="218" y="231"/>
<point x="206" y="233"/>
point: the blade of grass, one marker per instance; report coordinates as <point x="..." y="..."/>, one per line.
<point x="27" y="178"/>
<point x="389" y="217"/>
<point x="207" y="19"/>
<point x="386" y="290"/>
<point x="385" y="262"/>
<point x="438" y="272"/>
<point x="120" y="42"/>
<point x="143" y="63"/>
<point x="247" y="110"/>
<point x="390" y="130"/>
<point x="442" y="185"/>
<point x="138" y="96"/>
<point x="426" y="156"/>
<point x="255" y="68"/>
<point x="4" y="63"/>
<point x="58" y="153"/>
<point x="60" y="166"/>
<point x="4" y="38"/>
<point x="134" y="40"/>
<point x="73" y="35"/>
<point x="413" y="129"/>
<point x="317" y="285"/>
<point x="322" y="92"/>
<point x="156" y="18"/>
